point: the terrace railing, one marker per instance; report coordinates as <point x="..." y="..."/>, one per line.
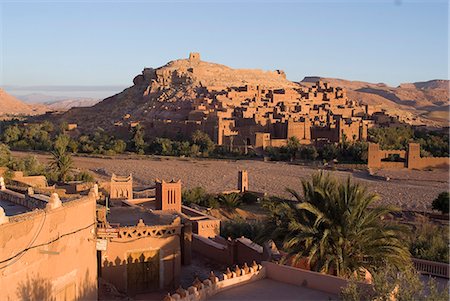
<point x="432" y="268"/>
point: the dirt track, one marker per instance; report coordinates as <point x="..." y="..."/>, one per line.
<point x="408" y="189"/>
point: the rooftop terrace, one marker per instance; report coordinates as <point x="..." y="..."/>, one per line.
<point x="12" y="209"/>
<point x="130" y="216"/>
<point x="268" y="289"/>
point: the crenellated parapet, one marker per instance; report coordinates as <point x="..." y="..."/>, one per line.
<point x="411" y="159"/>
<point x="140" y="230"/>
<point x="201" y="290"/>
<point x="148" y="231"/>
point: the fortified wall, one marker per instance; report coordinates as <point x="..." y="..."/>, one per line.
<point x="410" y="159"/>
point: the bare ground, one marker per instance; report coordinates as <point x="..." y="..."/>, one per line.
<point x="409" y="189"/>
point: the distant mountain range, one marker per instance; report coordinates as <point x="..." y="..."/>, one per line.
<point x="58" y="103"/>
<point x="37" y="103"/>
<point x="11" y="106"/>
<point x="66" y="104"/>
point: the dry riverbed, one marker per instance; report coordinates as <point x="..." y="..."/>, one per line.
<point x="409" y="189"/>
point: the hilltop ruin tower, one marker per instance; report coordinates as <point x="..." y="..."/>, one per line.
<point x="194" y="57"/>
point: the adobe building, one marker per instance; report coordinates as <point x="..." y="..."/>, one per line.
<point x="48" y="248"/>
<point x="121" y="187"/>
<point x="233" y="105"/>
<point x="146" y="241"/>
<point x="142" y="249"/>
<point x="18" y="178"/>
<point x="409" y="159"/>
<point x="232" y="115"/>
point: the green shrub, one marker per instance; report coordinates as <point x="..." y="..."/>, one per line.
<point x="7" y="176"/>
<point x="29" y="165"/>
<point x="278" y="153"/>
<point x="11" y="134"/>
<point x="210" y="201"/>
<point x="199" y="196"/>
<point x="392" y="284"/>
<point x="119" y="146"/>
<point x="249" y="197"/>
<point x="239" y="227"/>
<point x="193" y="195"/>
<point x="329" y="152"/>
<point x="441" y="202"/>
<point x="161" y="146"/>
<point x="84" y="176"/>
<point x="430" y="242"/>
<point x="308" y="152"/>
<point x="5" y="155"/>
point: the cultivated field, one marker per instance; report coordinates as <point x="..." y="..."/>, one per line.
<point x="409" y="189"/>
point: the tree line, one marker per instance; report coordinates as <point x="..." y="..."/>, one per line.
<point x="41" y="136"/>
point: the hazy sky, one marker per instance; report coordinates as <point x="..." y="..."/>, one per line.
<point x="109" y="42"/>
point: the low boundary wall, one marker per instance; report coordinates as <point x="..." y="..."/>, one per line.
<point x="228" y="252"/>
<point x="212" y="249"/>
<point x="201" y="290"/>
<point x="317" y="281"/>
<point x="28" y="201"/>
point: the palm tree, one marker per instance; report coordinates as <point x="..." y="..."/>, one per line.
<point x="333" y="227"/>
<point x="230" y="200"/>
<point x="62" y="160"/>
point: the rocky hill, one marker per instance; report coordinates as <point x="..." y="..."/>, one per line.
<point x="11" y="106"/>
<point x="426" y="102"/>
<point x="169" y="92"/>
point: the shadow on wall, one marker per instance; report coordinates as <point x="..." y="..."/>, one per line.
<point x="124" y="263"/>
<point x="139" y="273"/>
<point x="37" y="288"/>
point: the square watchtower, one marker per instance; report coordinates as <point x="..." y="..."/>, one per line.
<point x="168" y="195"/>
